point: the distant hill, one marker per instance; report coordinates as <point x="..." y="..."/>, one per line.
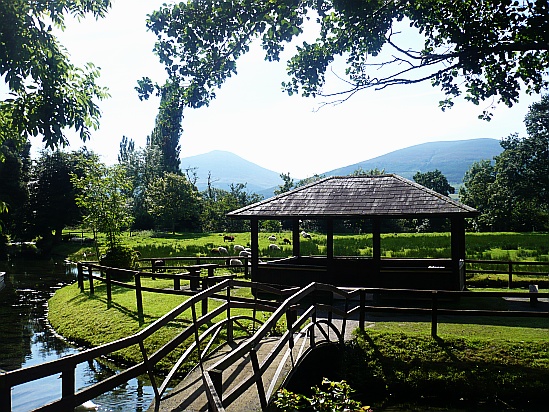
<point x="452" y="158"/>
<point x="227" y="168"/>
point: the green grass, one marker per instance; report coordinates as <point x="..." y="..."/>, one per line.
<point x="454" y="370"/>
<point x="89" y="321"/>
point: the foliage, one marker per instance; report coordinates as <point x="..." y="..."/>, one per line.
<point x="167" y="129"/>
<point x="332" y="396"/>
<point x="434" y="180"/>
<point x="481" y="49"/>
<point x="102" y="194"/>
<point x="513" y="193"/>
<point x="52" y="194"/>
<point x="47" y="93"/>
<point x="120" y="257"/>
<point x="14" y="192"/>
<point x="173" y="201"/>
<point x="287" y="185"/>
<point x="371" y="172"/>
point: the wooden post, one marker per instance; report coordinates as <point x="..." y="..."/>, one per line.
<point x="108" y="276"/>
<point x="90" y="277"/>
<point x="217" y="379"/>
<point x="230" y="337"/>
<point x="295" y="238"/>
<point x="361" y="313"/>
<point x="376" y="245"/>
<point x="80" y="272"/>
<point x="5" y="394"/>
<point x="176" y="282"/>
<point x="291" y="318"/>
<point x="434" y="314"/>
<point x="510" y="280"/>
<point x="254" y="240"/>
<point x="68" y="382"/>
<point x="258" y="379"/>
<point x="139" y="298"/>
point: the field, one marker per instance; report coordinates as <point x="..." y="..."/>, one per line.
<point x="520" y="247"/>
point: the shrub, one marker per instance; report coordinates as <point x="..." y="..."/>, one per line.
<point x="119" y="257"/>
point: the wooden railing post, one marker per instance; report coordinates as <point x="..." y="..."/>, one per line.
<point x="80" y="272"/>
<point x="139" y="298"/>
<point x="246" y="269"/>
<point x="68" y="382"/>
<point x="291" y="318"/>
<point x="230" y="337"/>
<point x="108" y="277"/>
<point x="177" y="283"/>
<point x="217" y="379"/>
<point x="362" y="310"/>
<point x="5" y="394"/>
<point x="258" y="379"/>
<point x="510" y="281"/>
<point x="90" y="277"/>
<point x="434" y="314"/>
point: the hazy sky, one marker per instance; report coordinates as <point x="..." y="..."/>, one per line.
<point x="254" y="119"/>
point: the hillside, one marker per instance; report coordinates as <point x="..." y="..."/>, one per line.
<point x="227" y="168"/>
<point x="452" y="158"/>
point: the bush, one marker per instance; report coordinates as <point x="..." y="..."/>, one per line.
<point x="120" y="257"/>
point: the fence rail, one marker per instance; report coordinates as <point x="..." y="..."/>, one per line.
<point x="510" y="268"/>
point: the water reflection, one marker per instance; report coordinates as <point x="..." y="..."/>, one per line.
<point x="27" y="339"/>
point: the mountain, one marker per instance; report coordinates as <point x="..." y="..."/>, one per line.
<point x="452" y="158"/>
<point x="227" y="168"/>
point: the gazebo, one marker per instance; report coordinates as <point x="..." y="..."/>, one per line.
<point x="376" y="197"/>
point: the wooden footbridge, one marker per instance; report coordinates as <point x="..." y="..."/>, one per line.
<point x="240" y="361"/>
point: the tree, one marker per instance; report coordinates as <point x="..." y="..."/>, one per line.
<point x="286" y="186"/>
<point x="481" y="48"/>
<point x="173" y="201"/>
<point x="14" y="179"/>
<point x="52" y="202"/>
<point x="167" y="128"/>
<point x="514" y="193"/>
<point x="102" y="195"/>
<point x="434" y="180"/>
<point x="47" y="93"/>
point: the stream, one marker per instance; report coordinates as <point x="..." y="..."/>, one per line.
<point x="26" y="339"/>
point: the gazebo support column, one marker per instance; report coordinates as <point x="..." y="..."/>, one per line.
<point x="376" y="245"/>
<point x="295" y="237"/>
<point x="458" y="247"/>
<point x="330" y="246"/>
<point x="254" y="245"/>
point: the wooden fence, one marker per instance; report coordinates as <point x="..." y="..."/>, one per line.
<point x="298" y="308"/>
<point x="510" y="268"/>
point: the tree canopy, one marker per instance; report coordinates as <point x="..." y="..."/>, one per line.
<point x="513" y="193"/>
<point x="46" y="92"/>
<point x="480" y="49"/>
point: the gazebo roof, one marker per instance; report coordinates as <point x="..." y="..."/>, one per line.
<point x="388" y="195"/>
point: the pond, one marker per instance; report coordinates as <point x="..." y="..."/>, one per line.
<point x="27" y="339"/>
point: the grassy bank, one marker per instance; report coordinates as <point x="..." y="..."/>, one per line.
<point x="451" y="370"/>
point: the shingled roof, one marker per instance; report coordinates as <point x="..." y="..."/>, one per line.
<point x="356" y="196"/>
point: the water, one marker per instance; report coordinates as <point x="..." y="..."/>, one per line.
<point x="27" y="339"/>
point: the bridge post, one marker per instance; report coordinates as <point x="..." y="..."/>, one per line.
<point x="291" y="318"/>
<point x="139" y="298"/>
<point x="258" y="379"/>
<point x="216" y="376"/>
<point x="108" y="277"/>
<point x="5" y="393"/>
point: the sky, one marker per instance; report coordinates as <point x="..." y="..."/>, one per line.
<point x="253" y="118"/>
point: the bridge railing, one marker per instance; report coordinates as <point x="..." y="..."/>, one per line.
<point x="70" y="397"/>
<point x="307" y="321"/>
